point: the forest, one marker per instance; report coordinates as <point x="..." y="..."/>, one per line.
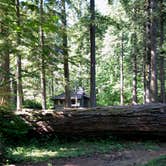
<point x="50" y="47"/>
<point x="81" y="68"/>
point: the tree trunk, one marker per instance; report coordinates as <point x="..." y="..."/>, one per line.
<point x="42" y="72"/>
<point x="153" y="52"/>
<point x="92" y="56"/>
<point x="18" y="62"/>
<point x="145" y="62"/>
<point x="135" y="52"/>
<point x="121" y="73"/>
<point x="134" y="101"/>
<point x="5" y="77"/>
<point x="13" y="87"/>
<point x="66" y="56"/>
<point x="148" y="53"/>
<point x="129" y="120"/>
<point x="162" y="59"/>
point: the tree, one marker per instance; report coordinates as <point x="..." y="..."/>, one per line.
<point x="65" y="55"/>
<point x="162" y="59"/>
<point x="5" y="76"/>
<point x="41" y="45"/>
<point x="5" y="92"/>
<point x="134" y="55"/>
<point x="153" y="51"/>
<point x="18" y="60"/>
<point x="122" y="71"/>
<point x="92" y="56"/>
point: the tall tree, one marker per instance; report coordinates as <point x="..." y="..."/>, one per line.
<point x="4" y="74"/>
<point x="135" y="71"/>
<point x="18" y="60"/>
<point x="121" y="71"/>
<point x="65" y="55"/>
<point x="134" y="55"/>
<point x="7" y="13"/>
<point x="153" y="52"/>
<point x="41" y="46"/>
<point x="162" y="59"/>
<point x="92" y="56"/>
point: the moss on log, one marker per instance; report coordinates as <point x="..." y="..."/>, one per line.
<point x="140" y="119"/>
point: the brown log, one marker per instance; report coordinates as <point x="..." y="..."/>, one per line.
<point x="140" y="119"/>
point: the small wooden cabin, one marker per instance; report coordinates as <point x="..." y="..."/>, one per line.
<point x="78" y="99"/>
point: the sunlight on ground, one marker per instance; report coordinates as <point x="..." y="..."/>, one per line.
<point x="36" y="154"/>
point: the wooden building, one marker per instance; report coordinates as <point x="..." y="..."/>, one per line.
<point x="78" y="99"/>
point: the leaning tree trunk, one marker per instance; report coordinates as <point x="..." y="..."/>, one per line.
<point x="130" y="120"/>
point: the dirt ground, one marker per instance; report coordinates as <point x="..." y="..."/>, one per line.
<point x="128" y="157"/>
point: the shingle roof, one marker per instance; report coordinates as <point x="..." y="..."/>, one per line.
<point x="79" y="94"/>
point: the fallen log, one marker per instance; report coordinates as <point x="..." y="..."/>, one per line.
<point x="140" y="119"/>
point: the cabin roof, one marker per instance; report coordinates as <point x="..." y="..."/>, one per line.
<point x="74" y="94"/>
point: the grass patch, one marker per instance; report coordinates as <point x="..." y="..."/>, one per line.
<point x="37" y="151"/>
<point x="161" y="161"/>
<point x="43" y="150"/>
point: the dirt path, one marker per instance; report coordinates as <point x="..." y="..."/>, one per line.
<point x="118" y="158"/>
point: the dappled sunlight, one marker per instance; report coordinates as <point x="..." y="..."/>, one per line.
<point x="42" y="154"/>
<point x="35" y="154"/>
<point x="39" y="153"/>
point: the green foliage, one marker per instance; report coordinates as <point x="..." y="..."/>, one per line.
<point x="32" y="104"/>
<point x="12" y="128"/>
<point x="161" y="161"/>
<point x="2" y="148"/>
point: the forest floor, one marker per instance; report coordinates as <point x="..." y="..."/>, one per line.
<point x="135" y="156"/>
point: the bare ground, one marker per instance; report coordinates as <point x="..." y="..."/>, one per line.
<point x="128" y="157"/>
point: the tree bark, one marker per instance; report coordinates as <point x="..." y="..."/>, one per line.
<point x="151" y="51"/>
<point x="162" y="59"/>
<point x="121" y="73"/>
<point x="18" y="62"/>
<point x="5" y="93"/>
<point x="153" y="81"/>
<point x="65" y="56"/>
<point x="92" y="56"/>
<point x="148" y="53"/>
<point x="42" y="72"/>
<point x="145" y="62"/>
<point x="129" y="120"/>
<point x="134" y="100"/>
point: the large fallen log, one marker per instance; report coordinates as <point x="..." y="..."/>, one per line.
<point x="141" y="119"/>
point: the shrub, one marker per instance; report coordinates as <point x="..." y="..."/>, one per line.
<point x="32" y="104"/>
<point x="1" y="149"/>
<point x="160" y="161"/>
<point x="12" y="127"/>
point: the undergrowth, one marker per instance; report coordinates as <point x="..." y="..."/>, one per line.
<point x="42" y="150"/>
<point x="160" y="161"/>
